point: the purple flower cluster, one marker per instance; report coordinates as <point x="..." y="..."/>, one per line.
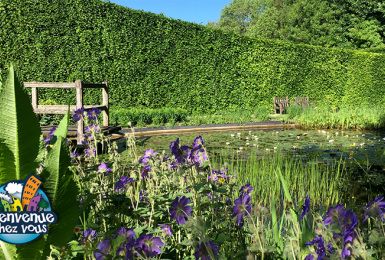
<point x="343" y="223"/>
<point x="78" y="114"/>
<point x="131" y="247"/>
<point x="92" y="129"/>
<point x="218" y="176"/>
<point x="48" y="139"/>
<point x="375" y="209"/>
<point x="305" y="207"/>
<point x="166" y="229"/>
<point x="206" y="250"/>
<point x="194" y="155"/>
<point x="122" y="183"/>
<point x="144" y="161"/>
<point x="103" y="168"/>
<point x="180" y="210"/>
<point x="242" y="205"/>
<point x="93" y="114"/>
<point x="149" y="246"/>
<point x="148" y="154"/>
<point x="89" y="235"/>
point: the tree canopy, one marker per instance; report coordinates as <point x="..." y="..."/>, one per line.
<point x="332" y="23"/>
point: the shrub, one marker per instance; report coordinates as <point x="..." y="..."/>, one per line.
<point x="152" y="61"/>
<point x="148" y="116"/>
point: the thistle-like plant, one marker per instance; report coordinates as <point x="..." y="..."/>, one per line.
<point x="19" y="148"/>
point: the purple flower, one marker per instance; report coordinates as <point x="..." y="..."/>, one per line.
<point x="173" y="165"/>
<point x="122" y="182"/>
<point x="218" y="176"/>
<point x="348" y="237"/>
<point x="242" y="207"/>
<point x="144" y="173"/>
<point x="78" y="114"/>
<point x="180" y="153"/>
<point x="89" y="235"/>
<point x="149" y="245"/>
<point x="126" y="248"/>
<point x="246" y="189"/>
<point x="375" y="208"/>
<point x="90" y="152"/>
<point x="180" y="210"/>
<point x="198" y="142"/>
<point x="309" y="257"/>
<point x="147" y="156"/>
<point x="320" y="246"/>
<point x="103" y="168"/>
<point x="197" y="156"/>
<point x="128" y="233"/>
<point x="166" y="229"/>
<point x="93" y="113"/>
<point x="330" y="248"/>
<point x="206" y="251"/>
<point x="305" y="207"/>
<point x="103" y="249"/>
<point x="341" y="218"/>
<point x="50" y="135"/>
<point x="92" y="128"/>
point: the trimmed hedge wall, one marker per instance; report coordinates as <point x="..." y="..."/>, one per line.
<point x="152" y="61"/>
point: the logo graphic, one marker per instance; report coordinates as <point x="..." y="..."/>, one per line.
<point x="25" y="211"/>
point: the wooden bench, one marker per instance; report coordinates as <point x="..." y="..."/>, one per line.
<point x="282" y="103"/>
<point x="302" y="101"/>
<point x="79" y="86"/>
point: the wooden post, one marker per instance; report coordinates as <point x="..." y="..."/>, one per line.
<point x="106" y="112"/>
<point x="34" y="98"/>
<point x="79" y="104"/>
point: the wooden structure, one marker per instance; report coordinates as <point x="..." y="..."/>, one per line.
<point x="302" y="101"/>
<point x="282" y="103"/>
<point x="79" y="86"/>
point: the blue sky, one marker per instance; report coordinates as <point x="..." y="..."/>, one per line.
<point x="196" y="11"/>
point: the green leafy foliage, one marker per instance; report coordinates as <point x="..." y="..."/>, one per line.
<point x="347" y="23"/>
<point x="19" y="129"/>
<point x="61" y="188"/>
<point x="146" y="116"/>
<point x="19" y="148"/>
<point x="152" y="61"/>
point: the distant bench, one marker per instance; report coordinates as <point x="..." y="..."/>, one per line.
<point x="282" y="103"/>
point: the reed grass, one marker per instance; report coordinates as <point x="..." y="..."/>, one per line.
<point x="360" y="117"/>
<point x="322" y="182"/>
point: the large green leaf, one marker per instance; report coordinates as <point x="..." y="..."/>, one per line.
<point x="19" y="130"/>
<point x="7" y="166"/>
<point x="61" y="188"/>
<point x="8" y="251"/>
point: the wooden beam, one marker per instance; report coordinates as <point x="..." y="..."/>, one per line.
<point x="34" y="98"/>
<point x="94" y="85"/>
<point x="49" y="85"/>
<point x="106" y="112"/>
<point x="79" y="105"/>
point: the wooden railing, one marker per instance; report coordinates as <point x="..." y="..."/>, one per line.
<point x="79" y="86"/>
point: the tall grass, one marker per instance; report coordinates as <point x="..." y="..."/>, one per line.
<point x="344" y="118"/>
<point x="322" y="182"/>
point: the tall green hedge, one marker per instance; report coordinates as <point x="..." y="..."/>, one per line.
<point x="150" y="60"/>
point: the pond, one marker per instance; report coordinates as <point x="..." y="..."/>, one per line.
<point x="359" y="153"/>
